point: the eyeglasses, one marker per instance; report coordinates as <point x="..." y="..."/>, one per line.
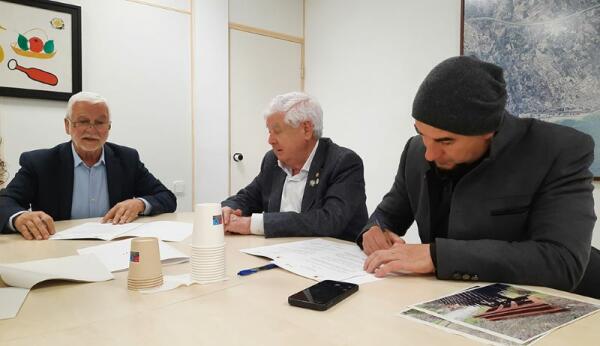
<point x="86" y="124"/>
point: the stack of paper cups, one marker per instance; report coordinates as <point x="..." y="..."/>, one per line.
<point x="208" y="244"/>
<point x="145" y="268"/>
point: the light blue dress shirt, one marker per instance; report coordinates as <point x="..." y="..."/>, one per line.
<point x="90" y="188"/>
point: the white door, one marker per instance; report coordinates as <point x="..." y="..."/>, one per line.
<point x="260" y="67"/>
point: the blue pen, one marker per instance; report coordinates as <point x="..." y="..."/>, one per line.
<point x="257" y="269"/>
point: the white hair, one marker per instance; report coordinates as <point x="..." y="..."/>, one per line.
<point x="85" y="96"/>
<point x="298" y="107"/>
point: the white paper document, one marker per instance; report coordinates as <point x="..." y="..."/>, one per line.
<point x="23" y="276"/>
<point x="115" y="255"/>
<point x="11" y="299"/>
<point x="171" y="282"/>
<point x="318" y="259"/>
<point x="164" y="230"/>
<point x="86" y="268"/>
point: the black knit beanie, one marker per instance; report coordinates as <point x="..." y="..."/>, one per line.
<point x="463" y="95"/>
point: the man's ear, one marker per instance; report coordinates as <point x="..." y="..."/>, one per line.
<point x="488" y="135"/>
<point x="67" y="127"/>
<point x="308" y="128"/>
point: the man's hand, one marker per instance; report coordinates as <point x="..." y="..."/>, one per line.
<point x="401" y="258"/>
<point x="238" y="224"/>
<point x="227" y="213"/>
<point x="34" y="225"/>
<point x="376" y="239"/>
<point x="125" y="211"/>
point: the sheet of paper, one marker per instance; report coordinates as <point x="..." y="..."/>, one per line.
<point x="11" y="299"/>
<point x="95" y="230"/>
<point x="318" y="259"/>
<point x="115" y="255"/>
<point x="163" y="230"/>
<point x="86" y="268"/>
<point x="170" y="282"/>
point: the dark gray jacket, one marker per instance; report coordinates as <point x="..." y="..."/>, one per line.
<point x="335" y="207"/>
<point x="524" y="215"/>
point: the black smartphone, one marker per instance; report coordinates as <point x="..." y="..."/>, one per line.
<point x="323" y="295"/>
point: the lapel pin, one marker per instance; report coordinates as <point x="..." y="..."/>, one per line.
<point x="312" y="183"/>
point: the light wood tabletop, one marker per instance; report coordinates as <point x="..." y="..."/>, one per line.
<point x="251" y="310"/>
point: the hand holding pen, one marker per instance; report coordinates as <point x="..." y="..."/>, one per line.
<point x="378" y="238"/>
<point x="392" y="238"/>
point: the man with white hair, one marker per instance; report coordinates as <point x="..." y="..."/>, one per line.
<point x="86" y="177"/>
<point x="307" y="185"/>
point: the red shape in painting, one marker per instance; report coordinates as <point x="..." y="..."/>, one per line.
<point x="36" y="44"/>
<point x="34" y="73"/>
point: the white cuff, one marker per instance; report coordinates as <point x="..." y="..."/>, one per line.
<point x="12" y="218"/>
<point x="148" y="206"/>
<point x="257" y="225"/>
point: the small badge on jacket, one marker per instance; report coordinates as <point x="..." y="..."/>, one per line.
<point x="314" y="182"/>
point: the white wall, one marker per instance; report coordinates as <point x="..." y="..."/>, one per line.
<point x="364" y="62"/>
<point x="281" y="16"/>
<point x="211" y="100"/>
<point x="139" y="58"/>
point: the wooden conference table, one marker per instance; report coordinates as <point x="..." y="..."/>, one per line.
<point x="251" y="310"/>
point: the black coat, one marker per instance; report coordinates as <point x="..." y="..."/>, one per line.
<point x="524" y="215"/>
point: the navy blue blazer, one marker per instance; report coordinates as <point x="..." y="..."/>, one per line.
<point x="45" y="183"/>
<point x="332" y="206"/>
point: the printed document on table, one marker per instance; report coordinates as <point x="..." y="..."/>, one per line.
<point x="86" y="268"/>
<point x="318" y="259"/>
<point x="164" y="230"/>
<point x="115" y="255"/>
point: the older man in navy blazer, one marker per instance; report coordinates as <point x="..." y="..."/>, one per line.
<point x="86" y="177"/>
<point x="307" y="185"/>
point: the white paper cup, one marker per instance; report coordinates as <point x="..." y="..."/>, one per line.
<point x="208" y="225"/>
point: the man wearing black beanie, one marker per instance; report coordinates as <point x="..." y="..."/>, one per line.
<point x="495" y="197"/>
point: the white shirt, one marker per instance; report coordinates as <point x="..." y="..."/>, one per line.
<point x="291" y="195"/>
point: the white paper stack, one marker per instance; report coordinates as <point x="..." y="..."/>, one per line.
<point x="318" y="259"/>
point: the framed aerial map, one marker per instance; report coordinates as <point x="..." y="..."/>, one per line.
<point x="550" y="52"/>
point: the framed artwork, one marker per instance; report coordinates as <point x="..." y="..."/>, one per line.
<point x="40" y="49"/>
<point x="550" y="52"/>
